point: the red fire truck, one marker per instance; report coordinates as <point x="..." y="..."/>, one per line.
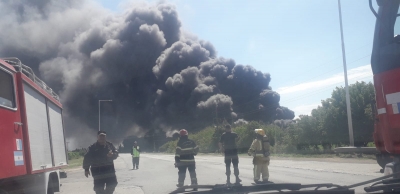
<point x="32" y="143"/>
<point x="385" y="63"/>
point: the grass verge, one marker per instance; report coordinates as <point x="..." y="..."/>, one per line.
<point x="74" y="163"/>
<point x="355" y="156"/>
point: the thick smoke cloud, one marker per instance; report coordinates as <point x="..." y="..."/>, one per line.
<point x="157" y="77"/>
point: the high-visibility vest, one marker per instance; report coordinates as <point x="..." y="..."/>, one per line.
<point x="135" y="152"/>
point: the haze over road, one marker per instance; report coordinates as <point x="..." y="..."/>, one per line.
<point x="158" y="175"/>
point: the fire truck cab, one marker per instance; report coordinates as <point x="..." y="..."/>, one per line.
<point x="32" y="143"/>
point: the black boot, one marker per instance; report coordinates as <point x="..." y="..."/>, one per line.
<point x="238" y="180"/>
<point x="228" y="180"/>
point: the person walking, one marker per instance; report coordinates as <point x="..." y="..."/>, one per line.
<point x="98" y="161"/>
<point x="185" y="151"/>
<point x="259" y="149"/>
<point x="227" y="145"/>
<point x="135" y="152"/>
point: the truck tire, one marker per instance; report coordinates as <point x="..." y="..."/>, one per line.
<point x="383" y="159"/>
<point x="11" y="188"/>
<point x="50" y="186"/>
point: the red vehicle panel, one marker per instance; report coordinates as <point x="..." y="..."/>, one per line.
<point x="11" y="132"/>
<point x="387" y="127"/>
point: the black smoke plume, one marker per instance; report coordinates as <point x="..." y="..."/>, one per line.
<point x="158" y="78"/>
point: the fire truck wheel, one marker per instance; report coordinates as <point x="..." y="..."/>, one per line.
<point x="50" y="187"/>
<point x="11" y="188"/>
<point x="383" y="159"/>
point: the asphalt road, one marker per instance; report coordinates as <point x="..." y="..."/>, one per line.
<point x="158" y="175"/>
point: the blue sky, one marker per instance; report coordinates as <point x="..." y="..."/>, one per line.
<point x="297" y="42"/>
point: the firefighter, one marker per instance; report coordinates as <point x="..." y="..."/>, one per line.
<point x="227" y="145"/>
<point x="135" y="152"/>
<point x="186" y="149"/>
<point x="259" y="149"/>
<point x="99" y="160"/>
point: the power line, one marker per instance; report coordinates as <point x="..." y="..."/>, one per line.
<point x="326" y="72"/>
<point x="237" y="106"/>
<point x="302" y="96"/>
<point x="334" y="59"/>
<point x="328" y="86"/>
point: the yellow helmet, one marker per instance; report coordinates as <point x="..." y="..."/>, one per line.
<point x="260" y="132"/>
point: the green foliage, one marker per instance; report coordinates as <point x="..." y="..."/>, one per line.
<point x="168" y="147"/>
<point x="327" y="125"/>
<point x="246" y="135"/>
<point x="207" y="139"/>
<point x="317" y="133"/>
<point x="73" y="155"/>
<point x="78" y="153"/>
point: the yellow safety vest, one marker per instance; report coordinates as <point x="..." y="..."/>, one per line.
<point x="135" y="152"/>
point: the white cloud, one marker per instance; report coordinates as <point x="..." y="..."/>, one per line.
<point x="353" y="75"/>
<point x="305" y="109"/>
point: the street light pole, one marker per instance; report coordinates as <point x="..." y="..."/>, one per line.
<point x="349" y="119"/>
<point x="100" y="109"/>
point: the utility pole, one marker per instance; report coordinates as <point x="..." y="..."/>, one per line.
<point x="349" y="120"/>
<point x="100" y="109"/>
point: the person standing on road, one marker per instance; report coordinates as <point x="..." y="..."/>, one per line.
<point x="135" y="152"/>
<point x="99" y="160"/>
<point x="227" y="145"/>
<point x="259" y="149"/>
<point x="185" y="151"/>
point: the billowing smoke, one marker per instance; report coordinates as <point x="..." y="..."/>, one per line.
<point x="157" y="78"/>
<point x="240" y="122"/>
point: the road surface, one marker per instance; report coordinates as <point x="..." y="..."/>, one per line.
<point x="158" y="175"/>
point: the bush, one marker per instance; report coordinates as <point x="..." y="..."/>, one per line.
<point x="73" y="155"/>
<point x="207" y="139"/>
<point x="291" y="140"/>
<point x="76" y="154"/>
<point x="168" y="147"/>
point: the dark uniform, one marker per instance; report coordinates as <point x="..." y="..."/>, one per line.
<point x="101" y="167"/>
<point x="228" y="140"/>
<point x="184" y="159"/>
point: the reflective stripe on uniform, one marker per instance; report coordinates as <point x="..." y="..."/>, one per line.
<point x="186" y="150"/>
<point x="186" y="160"/>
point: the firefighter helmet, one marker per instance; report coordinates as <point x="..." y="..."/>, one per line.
<point x="260" y="132"/>
<point x="183" y="132"/>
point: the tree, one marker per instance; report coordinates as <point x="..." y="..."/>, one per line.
<point x="328" y="125"/>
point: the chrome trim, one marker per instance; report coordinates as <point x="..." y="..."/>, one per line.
<point x="15" y="91"/>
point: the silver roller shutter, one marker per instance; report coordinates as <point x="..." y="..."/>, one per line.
<point x="57" y="134"/>
<point x="37" y="128"/>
